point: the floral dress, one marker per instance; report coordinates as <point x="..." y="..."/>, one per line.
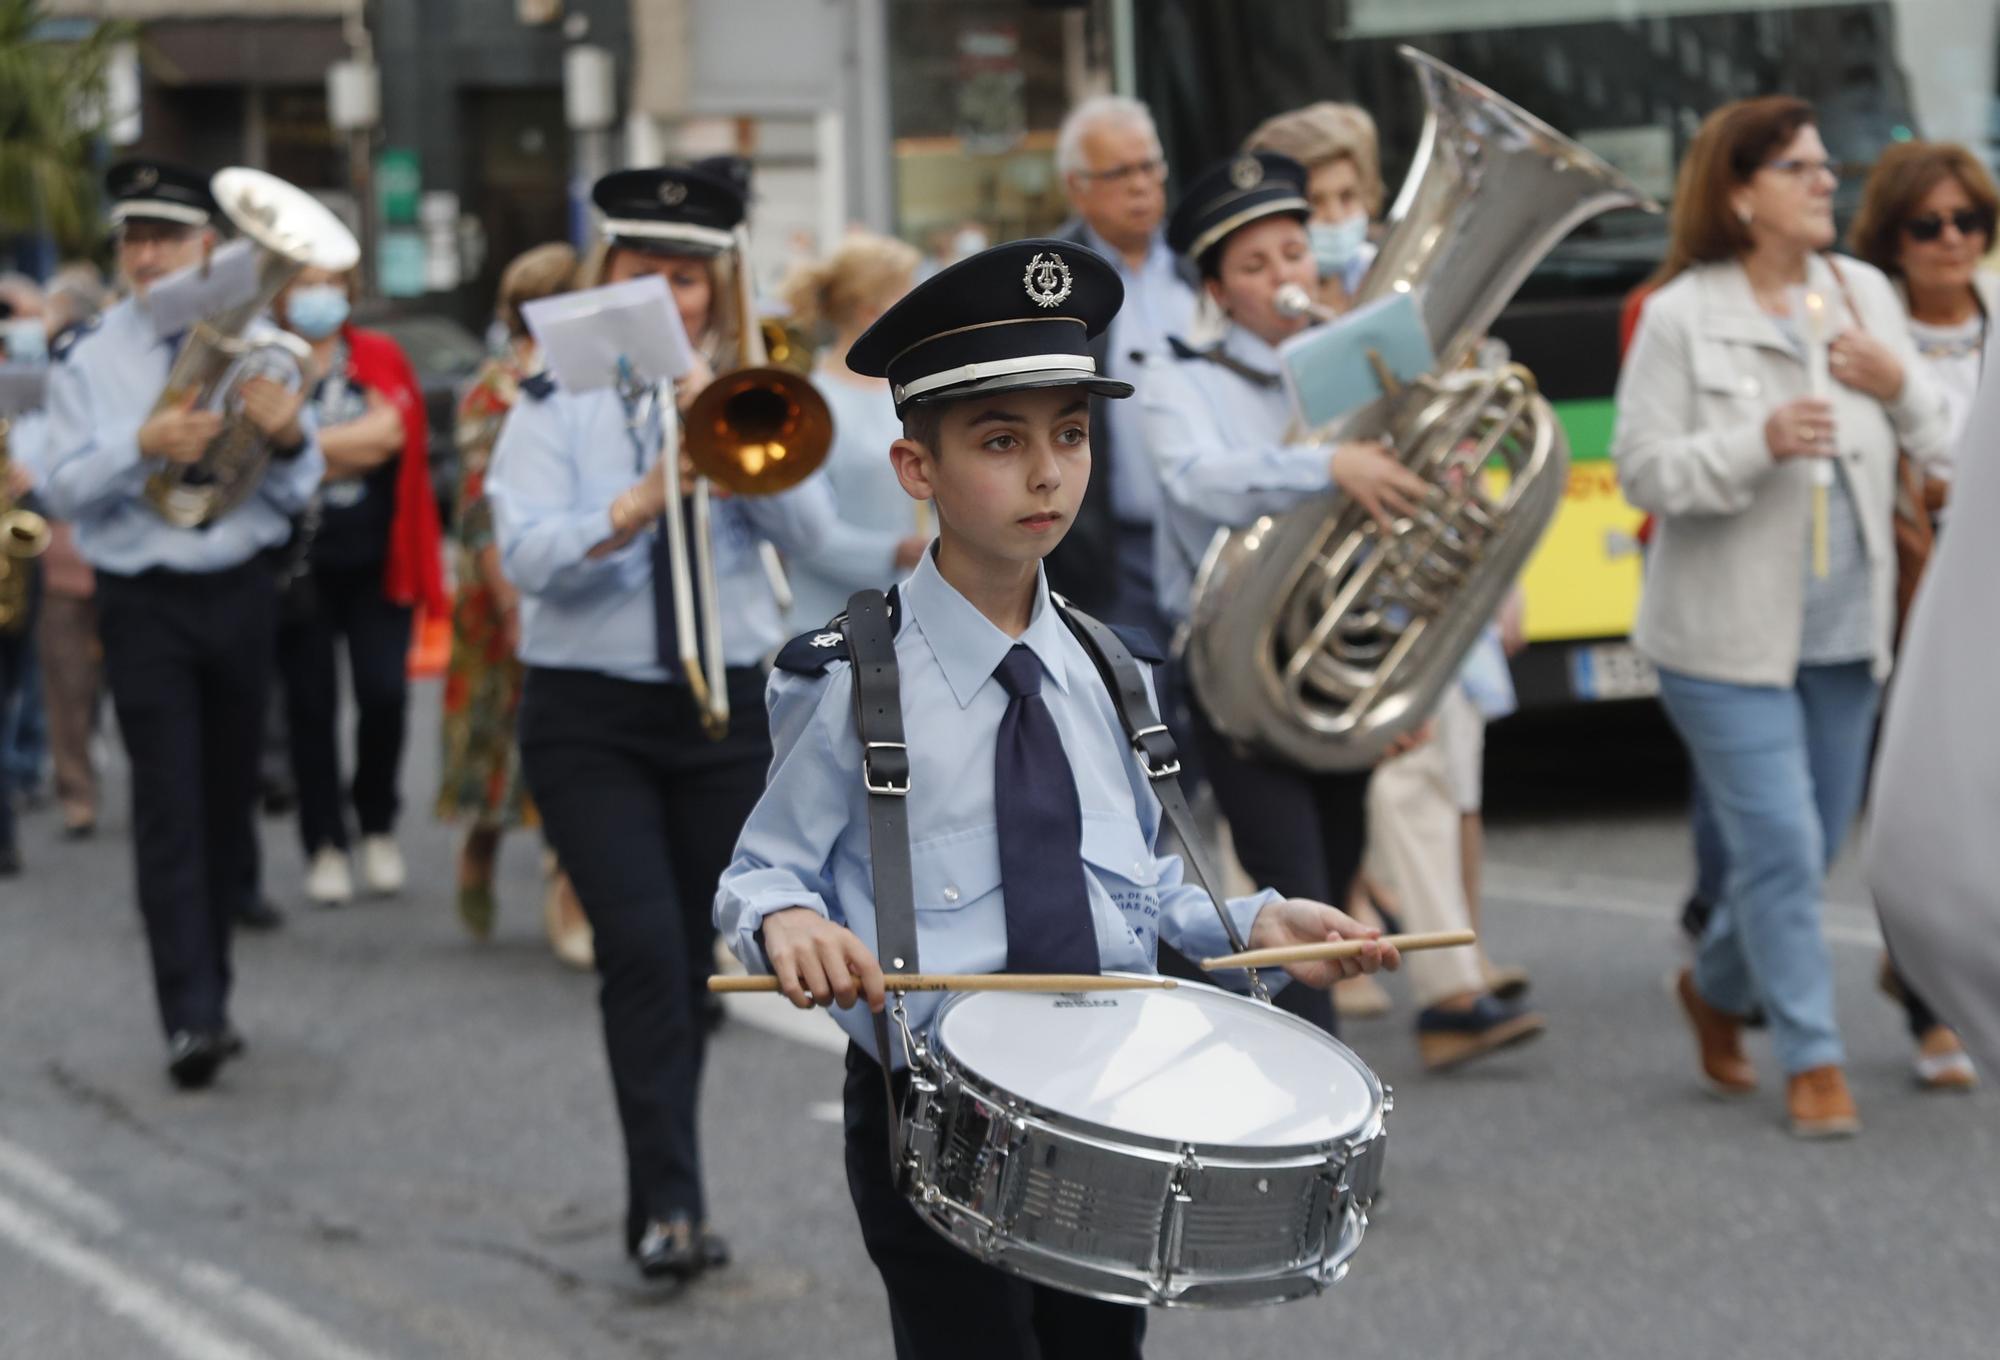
<point x="481" y="778"/>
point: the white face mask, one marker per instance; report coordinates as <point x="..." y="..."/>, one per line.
<point x="25" y="340"/>
<point x="1335" y="244"/>
<point x="969" y="241"/>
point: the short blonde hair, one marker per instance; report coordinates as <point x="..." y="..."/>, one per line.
<point x="864" y="270"/>
<point x="539" y="272"/>
<point x="1320" y="134"/>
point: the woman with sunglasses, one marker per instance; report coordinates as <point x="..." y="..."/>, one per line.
<point x="1926" y="220"/>
<point x="1760" y="411"/>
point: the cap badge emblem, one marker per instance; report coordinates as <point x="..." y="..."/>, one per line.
<point x="145" y="177"/>
<point x="673" y="193"/>
<point x="826" y="640"/>
<point x="1047" y="279"/>
<point x="1247" y="173"/>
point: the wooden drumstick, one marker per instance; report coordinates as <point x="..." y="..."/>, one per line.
<point x="1337" y="949"/>
<point x="973" y="982"/>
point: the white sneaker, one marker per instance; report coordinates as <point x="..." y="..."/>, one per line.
<point x="328" y="883"/>
<point x="382" y="869"/>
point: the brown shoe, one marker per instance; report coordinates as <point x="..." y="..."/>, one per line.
<point x="1942" y="1063"/>
<point x="1718" y="1038"/>
<point x="1821" y="1105"/>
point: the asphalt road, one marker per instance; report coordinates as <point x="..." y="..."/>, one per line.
<point x="418" y="1158"/>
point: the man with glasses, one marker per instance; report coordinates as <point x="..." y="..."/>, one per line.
<point x="186" y="614"/>
<point x="1116" y="177"/>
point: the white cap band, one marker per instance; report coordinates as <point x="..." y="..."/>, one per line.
<point x="1081" y="364"/>
<point x="157" y="208"/>
<point x="639" y="229"/>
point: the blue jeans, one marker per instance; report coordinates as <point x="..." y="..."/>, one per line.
<point x="1781" y="771"/>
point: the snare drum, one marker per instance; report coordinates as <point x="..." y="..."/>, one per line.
<point x="1184" y="1148"/>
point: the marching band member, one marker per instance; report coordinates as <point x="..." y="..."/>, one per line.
<point x="1046" y="864"/>
<point x="187" y="615"/>
<point x="1219" y="421"/>
<point x="640" y="805"/>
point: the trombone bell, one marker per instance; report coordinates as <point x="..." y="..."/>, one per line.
<point x="758" y="431"/>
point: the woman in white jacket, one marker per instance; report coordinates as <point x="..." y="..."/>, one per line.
<point x="1759" y="416"/>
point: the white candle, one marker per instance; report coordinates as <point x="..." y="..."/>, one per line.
<point x="1816" y="346"/>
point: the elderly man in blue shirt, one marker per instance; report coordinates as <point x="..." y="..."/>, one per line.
<point x="187" y="615"/>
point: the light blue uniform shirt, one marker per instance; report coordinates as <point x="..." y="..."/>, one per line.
<point x="806" y="844"/>
<point x="559" y="463"/>
<point x="1219" y="442"/>
<point x="874" y="514"/>
<point x="94" y="477"/>
<point x="1158" y="303"/>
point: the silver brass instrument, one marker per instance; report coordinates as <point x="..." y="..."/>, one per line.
<point x="24" y="536"/>
<point x="1315" y="635"/>
<point x="292" y="231"/>
<point x="756" y="430"/>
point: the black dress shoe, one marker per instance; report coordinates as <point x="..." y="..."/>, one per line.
<point x="79" y="831"/>
<point x="10" y="858"/>
<point x="193" y="1055"/>
<point x="675" y="1248"/>
<point x="259" y="914"/>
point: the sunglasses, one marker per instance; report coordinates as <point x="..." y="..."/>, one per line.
<point x="1969" y="221"/>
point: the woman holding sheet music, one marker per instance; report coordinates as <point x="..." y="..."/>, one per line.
<point x="640" y="802"/>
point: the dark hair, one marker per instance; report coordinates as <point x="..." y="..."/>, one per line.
<point x="1902" y="178"/>
<point x="925" y="424"/>
<point x="1732" y="145"/>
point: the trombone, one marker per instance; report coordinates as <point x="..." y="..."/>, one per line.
<point x="756" y="430"/>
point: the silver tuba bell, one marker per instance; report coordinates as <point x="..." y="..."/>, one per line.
<point x="291" y="231"/>
<point x="1316" y="636"/>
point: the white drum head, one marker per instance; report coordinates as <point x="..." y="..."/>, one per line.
<point x="1192" y="1065"/>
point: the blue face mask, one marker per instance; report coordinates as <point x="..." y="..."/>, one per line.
<point x="316" y="311"/>
<point x="26" y="341"/>
<point x="1335" y="244"/>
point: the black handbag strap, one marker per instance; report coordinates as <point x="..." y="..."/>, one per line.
<point x="870" y="629"/>
<point x="1158" y="756"/>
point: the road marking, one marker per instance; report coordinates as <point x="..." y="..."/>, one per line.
<point x="299" y="1337"/>
<point x="180" y="1331"/>
<point x="1646" y="899"/>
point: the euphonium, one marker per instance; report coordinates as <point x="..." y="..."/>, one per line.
<point x="24" y="536"/>
<point x="291" y="230"/>
<point x="1315" y="635"/>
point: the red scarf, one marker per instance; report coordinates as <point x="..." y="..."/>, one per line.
<point x="414" y="573"/>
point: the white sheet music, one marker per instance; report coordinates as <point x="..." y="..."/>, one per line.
<point x="186" y="296"/>
<point x="584" y="335"/>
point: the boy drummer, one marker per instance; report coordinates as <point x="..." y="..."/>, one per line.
<point x="1045" y="865"/>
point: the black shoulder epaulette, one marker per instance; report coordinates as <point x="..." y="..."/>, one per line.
<point x="1140" y="641"/>
<point x="65" y="340"/>
<point x="540" y="386"/>
<point x="810" y="653"/>
<point x="1214" y="355"/>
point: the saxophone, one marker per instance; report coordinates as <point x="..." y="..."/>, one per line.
<point x="1320" y="638"/>
<point x="24" y="536"/>
<point x="290" y="230"/>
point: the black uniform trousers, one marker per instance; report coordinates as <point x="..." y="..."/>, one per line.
<point x="346" y="603"/>
<point x="945" y="1304"/>
<point x="188" y="661"/>
<point x="643" y="811"/>
<point x="1299" y="832"/>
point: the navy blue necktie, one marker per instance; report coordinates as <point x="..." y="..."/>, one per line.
<point x="1049" y="927"/>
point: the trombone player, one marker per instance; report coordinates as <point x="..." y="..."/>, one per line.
<point x="641" y="778"/>
<point x="186" y="613"/>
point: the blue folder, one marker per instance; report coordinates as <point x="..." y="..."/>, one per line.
<point x="1327" y="369"/>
